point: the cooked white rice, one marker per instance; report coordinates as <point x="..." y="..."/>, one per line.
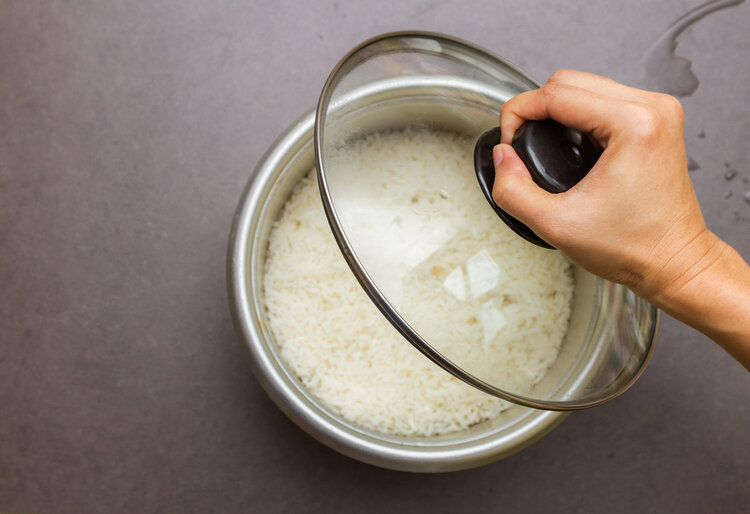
<point x="495" y="304"/>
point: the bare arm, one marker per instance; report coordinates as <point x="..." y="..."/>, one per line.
<point x="634" y="219"/>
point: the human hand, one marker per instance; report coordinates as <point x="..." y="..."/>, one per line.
<point x="634" y="219"/>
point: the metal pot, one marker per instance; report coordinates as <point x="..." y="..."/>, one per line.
<point x="606" y="316"/>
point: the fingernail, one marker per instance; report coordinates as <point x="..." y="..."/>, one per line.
<point x="497" y="155"/>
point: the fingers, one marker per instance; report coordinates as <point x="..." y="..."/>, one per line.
<point x="601" y="101"/>
<point x="515" y="192"/>
<point x="573" y="106"/>
<point x="600" y="85"/>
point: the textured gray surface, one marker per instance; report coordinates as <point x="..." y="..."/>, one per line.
<point x="127" y="130"/>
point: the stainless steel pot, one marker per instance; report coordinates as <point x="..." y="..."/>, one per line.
<point x="611" y="331"/>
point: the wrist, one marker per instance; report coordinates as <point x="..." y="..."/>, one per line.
<point x="713" y="296"/>
<point x="682" y="266"/>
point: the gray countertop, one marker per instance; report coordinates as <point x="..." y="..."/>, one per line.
<point x="127" y="132"/>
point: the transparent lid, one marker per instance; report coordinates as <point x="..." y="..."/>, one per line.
<point x="394" y="139"/>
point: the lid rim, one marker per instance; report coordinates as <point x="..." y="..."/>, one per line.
<point x="374" y="293"/>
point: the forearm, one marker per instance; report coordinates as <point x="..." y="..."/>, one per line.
<point x="711" y="294"/>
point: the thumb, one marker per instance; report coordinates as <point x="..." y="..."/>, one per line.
<point x="515" y="192"/>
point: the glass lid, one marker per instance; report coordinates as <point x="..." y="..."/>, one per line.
<point x="395" y="132"/>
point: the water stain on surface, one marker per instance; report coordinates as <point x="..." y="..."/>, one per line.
<point x="667" y="72"/>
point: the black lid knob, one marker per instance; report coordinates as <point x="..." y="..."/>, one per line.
<point x="557" y="157"/>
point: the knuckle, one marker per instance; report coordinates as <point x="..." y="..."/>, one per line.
<point x="562" y="75"/>
<point x="505" y="108"/>
<point x="645" y="121"/>
<point x="505" y="190"/>
<point x="553" y="90"/>
<point x="500" y="189"/>
<point x="509" y="107"/>
<point x="672" y="107"/>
